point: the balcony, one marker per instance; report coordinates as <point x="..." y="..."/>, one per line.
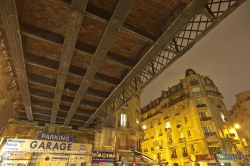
<point x="152" y="137"/>
<point x="123" y="147"/>
<point x="219" y="106"/>
<point x="181" y="140"/>
<point x="214" y="93"/>
<point x="145" y="139"/>
<point x="166" y="117"/>
<point x="197" y="93"/>
<point x="173" y="155"/>
<point x="177" y="100"/>
<point x="231" y="135"/>
<point x="170" y="142"/>
<point x="123" y="124"/>
<point x="192" y="83"/>
<point x="206" y="118"/>
<point x="145" y="150"/>
<point x="178" y="126"/>
<point x="185" y="154"/>
<point x="151" y="115"/>
<point x="161" y="146"/>
<point x="163" y="159"/>
<point x="211" y="134"/>
<point x="168" y="129"/>
<point x="160" y="134"/>
<point x="152" y="148"/>
<point x="176" y="114"/>
<point x="159" y="123"/>
<point x="201" y="105"/>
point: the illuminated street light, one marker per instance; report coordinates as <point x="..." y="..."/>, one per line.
<point x="144" y="127"/>
<point x="237" y="126"/>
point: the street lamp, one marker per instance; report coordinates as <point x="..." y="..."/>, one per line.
<point x="237" y="126"/>
<point x="144" y="127"/>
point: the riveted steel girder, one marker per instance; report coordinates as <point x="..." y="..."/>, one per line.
<point x="174" y="43"/>
<point x="73" y="27"/>
<point x="11" y="24"/>
<point x="120" y="14"/>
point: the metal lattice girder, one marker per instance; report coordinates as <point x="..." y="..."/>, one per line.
<point x="120" y="14"/>
<point x="72" y="31"/>
<point x="8" y="98"/>
<point x="11" y="24"/>
<point x="171" y="46"/>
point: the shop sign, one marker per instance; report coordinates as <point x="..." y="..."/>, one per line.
<point x="55" y="137"/>
<point x="17" y="156"/>
<point x="99" y="156"/>
<point x="30" y="145"/>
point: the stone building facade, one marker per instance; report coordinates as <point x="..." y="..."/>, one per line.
<point x="121" y="133"/>
<point x="188" y="123"/>
<point x="240" y="115"/>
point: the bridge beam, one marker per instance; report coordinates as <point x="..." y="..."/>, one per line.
<point x="120" y="14"/>
<point x="178" y="19"/>
<point x="11" y="24"/>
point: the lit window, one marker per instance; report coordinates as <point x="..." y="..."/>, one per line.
<point x="123" y="119"/>
<point x="223" y="117"/>
<point x="168" y="125"/>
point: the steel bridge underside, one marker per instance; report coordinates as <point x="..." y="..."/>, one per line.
<point x="77" y="62"/>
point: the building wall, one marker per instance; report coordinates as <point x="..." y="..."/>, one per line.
<point x="29" y="130"/>
<point x="199" y="123"/>
<point x="240" y="114"/>
<point x="126" y="133"/>
<point x="5" y="113"/>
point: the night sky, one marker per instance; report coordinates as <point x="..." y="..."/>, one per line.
<point x="223" y="55"/>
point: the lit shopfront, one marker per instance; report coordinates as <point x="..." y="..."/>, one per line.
<point x="54" y="150"/>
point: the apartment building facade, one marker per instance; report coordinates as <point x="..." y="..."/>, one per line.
<point x="121" y="135"/>
<point x="240" y="114"/>
<point x="189" y="124"/>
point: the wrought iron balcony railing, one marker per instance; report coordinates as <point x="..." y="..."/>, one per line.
<point x="123" y="147"/>
<point x="192" y="83"/>
<point x="210" y="134"/>
<point x="197" y="93"/>
<point x="201" y="105"/>
<point x="166" y="117"/>
<point x="173" y="155"/>
<point x="170" y="142"/>
<point x="182" y="140"/>
<point x="219" y="106"/>
<point x="177" y="113"/>
<point x="123" y="124"/>
<point x="214" y="93"/>
<point x="179" y="126"/>
<point x="206" y="118"/>
<point x="177" y="100"/>
<point x="168" y="129"/>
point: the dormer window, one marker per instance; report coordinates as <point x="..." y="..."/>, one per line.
<point x="193" y="81"/>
